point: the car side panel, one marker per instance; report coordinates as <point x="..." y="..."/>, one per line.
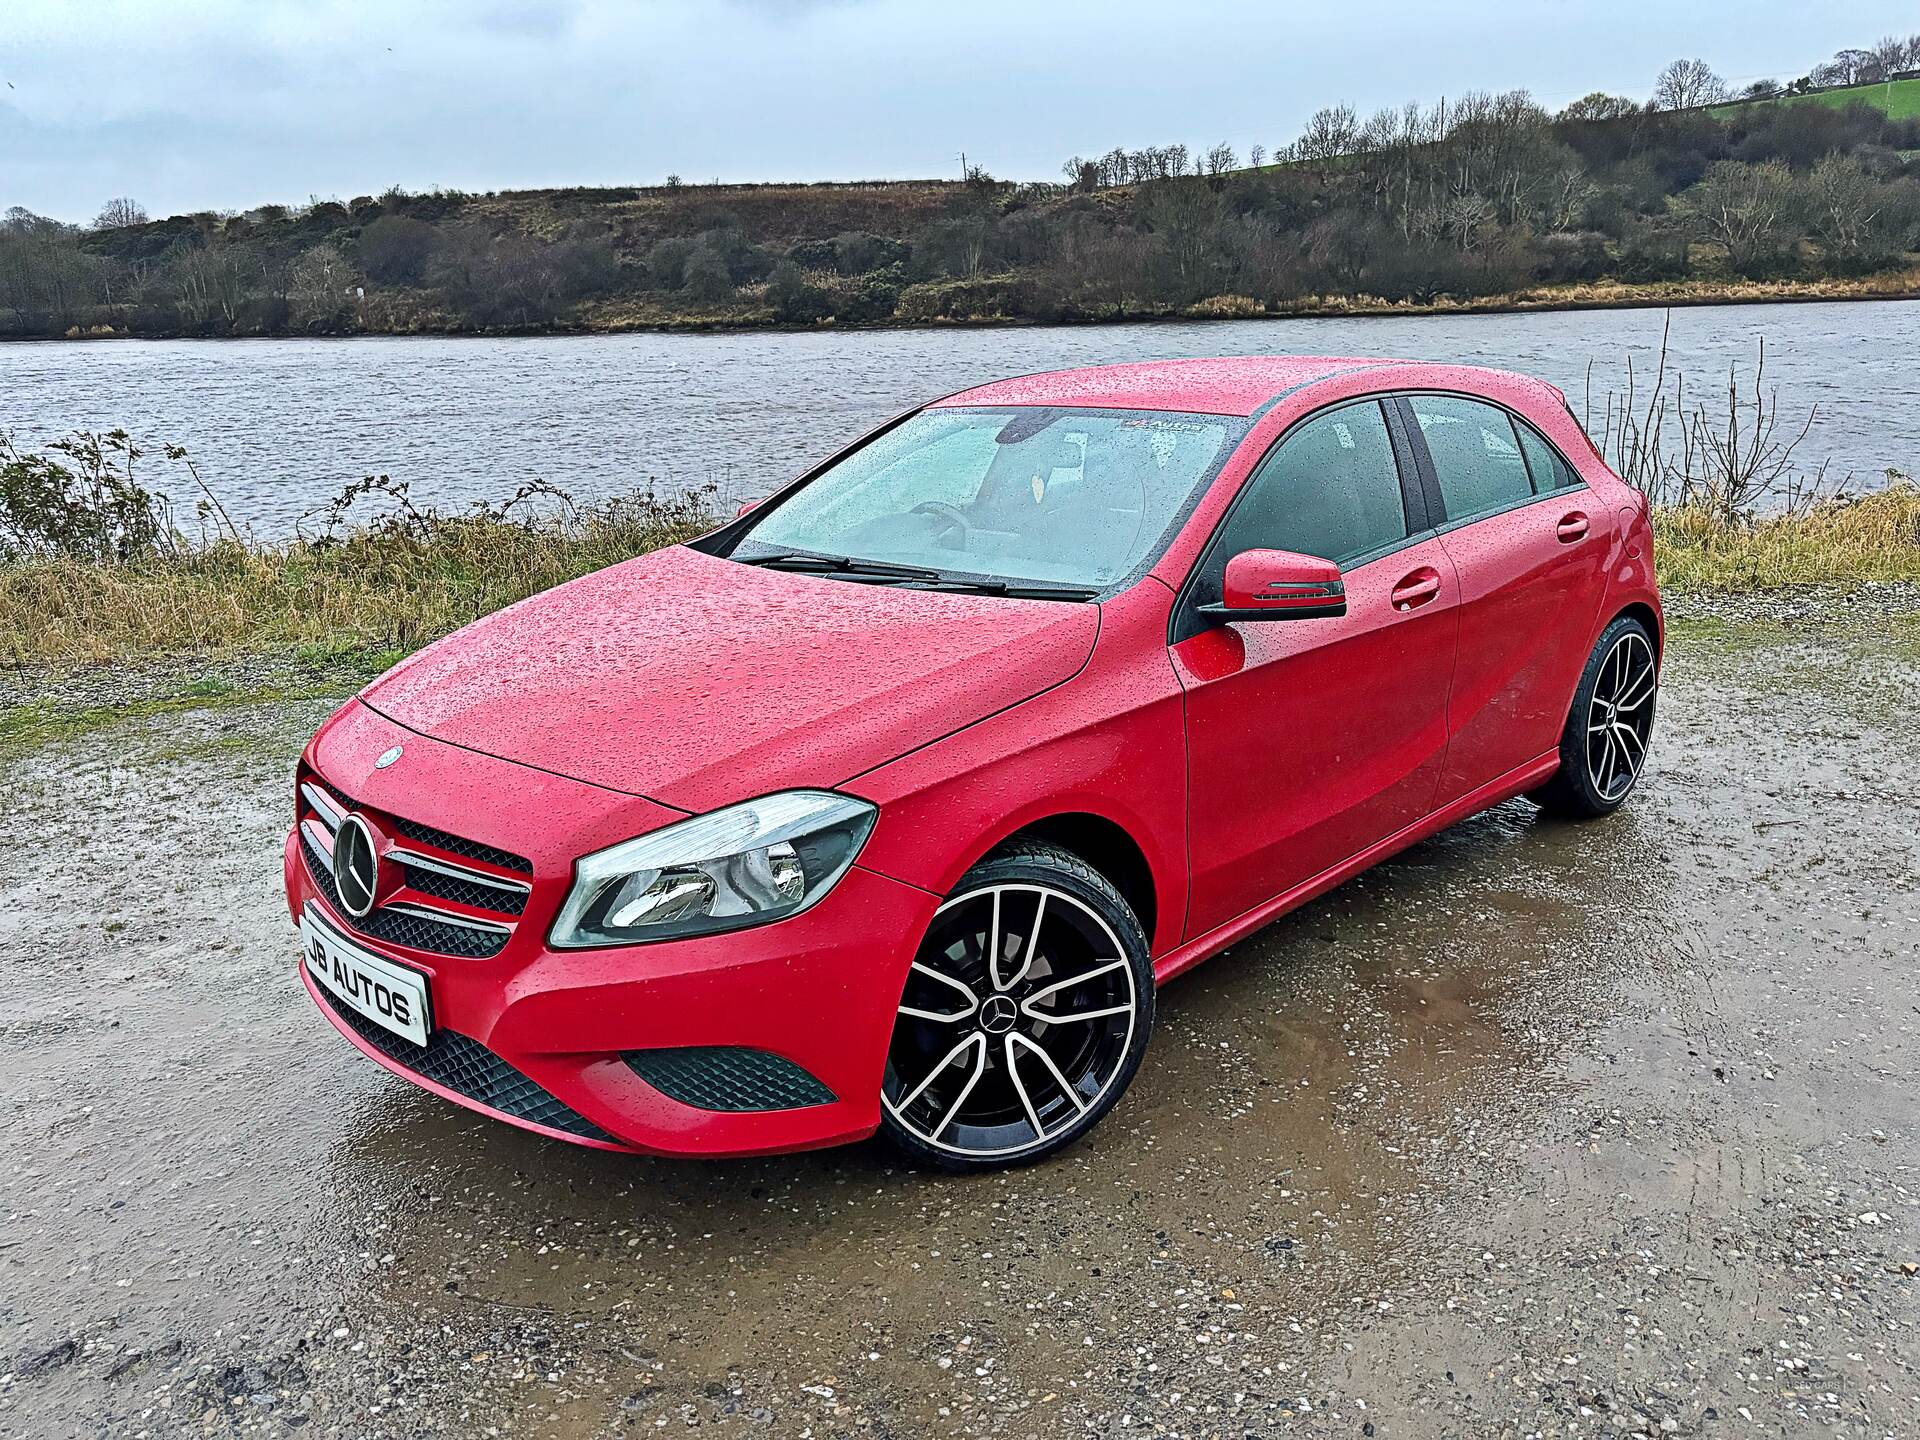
<point x="1109" y="743"/>
<point x="1310" y="740"/>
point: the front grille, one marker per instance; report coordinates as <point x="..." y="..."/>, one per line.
<point x="453" y="899"/>
<point x="728" y="1077"/>
<point x="401" y="927"/>
<point x="468" y="892"/>
<point x="466" y="849"/>
<point x="468" y="1068"/>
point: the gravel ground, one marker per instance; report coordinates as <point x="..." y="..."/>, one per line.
<point x="1538" y="1129"/>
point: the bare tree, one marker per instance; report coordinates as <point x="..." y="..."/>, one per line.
<point x="321" y="286"/>
<point x="119" y="213"/>
<point x="1257" y="156"/>
<point x="1599" y="106"/>
<point x="1220" y="159"/>
<point x="1845" y="206"/>
<point x="1889" y="57"/>
<point x="1744" y="207"/>
<point x="1687" y="83"/>
<point x="1847" y="67"/>
<point x="1333" y="131"/>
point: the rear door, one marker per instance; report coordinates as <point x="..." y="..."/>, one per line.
<point x="1310" y="739"/>
<point x="1528" y="542"/>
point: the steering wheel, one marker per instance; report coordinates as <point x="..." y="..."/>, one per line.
<point x="952" y="514"/>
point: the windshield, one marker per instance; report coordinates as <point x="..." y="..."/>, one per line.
<point x="1048" y="496"/>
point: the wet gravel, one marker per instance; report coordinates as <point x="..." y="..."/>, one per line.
<point x="1539" y="1129"/>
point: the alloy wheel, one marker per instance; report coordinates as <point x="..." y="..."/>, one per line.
<point x="1620" y="715"/>
<point x="1015" y="1021"/>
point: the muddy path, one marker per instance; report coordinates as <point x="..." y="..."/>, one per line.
<point x="1539" y="1128"/>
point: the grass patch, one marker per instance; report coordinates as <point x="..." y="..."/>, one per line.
<point x="363" y="600"/>
<point x="39" y="722"/>
<point x="1895" y="99"/>
<point x="360" y="596"/>
<point x="1873" y="538"/>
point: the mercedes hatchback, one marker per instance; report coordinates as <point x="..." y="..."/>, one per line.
<point x="886" y="805"/>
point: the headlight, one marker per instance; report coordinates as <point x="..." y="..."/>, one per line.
<point x="745" y="865"/>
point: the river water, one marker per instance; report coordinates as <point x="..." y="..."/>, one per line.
<point x="278" y="426"/>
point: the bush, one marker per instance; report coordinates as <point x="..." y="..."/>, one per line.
<point x="1648" y="255"/>
<point x="705" y="275"/>
<point x="795" y="298"/>
<point x="395" y="248"/>
<point x="78" y="500"/>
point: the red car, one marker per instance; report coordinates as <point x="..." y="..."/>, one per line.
<point x="888" y="804"/>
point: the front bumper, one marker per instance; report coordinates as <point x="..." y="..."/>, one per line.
<point x="818" y="990"/>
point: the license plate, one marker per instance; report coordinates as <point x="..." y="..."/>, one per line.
<point x="387" y="994"/>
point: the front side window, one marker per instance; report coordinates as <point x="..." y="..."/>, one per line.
<point x="1476" y="455"/>
<point x="1332" y="489"/>
<point x="1048" y="495"/>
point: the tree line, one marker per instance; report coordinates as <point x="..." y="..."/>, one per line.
<point x="1474" y="197"/>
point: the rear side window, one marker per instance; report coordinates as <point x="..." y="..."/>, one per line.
<point x="1548" y="470"/>
<point x="1332" y="489"/>
<point x="1476" y="455"/>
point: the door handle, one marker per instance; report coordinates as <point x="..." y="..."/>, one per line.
<point x="1571" y="527"/>
<point x="1416" y="589"/>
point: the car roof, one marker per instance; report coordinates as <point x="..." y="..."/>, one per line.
<point x="1227" y="385"/>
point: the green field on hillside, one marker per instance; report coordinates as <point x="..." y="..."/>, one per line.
<point x="1896" y="99"/>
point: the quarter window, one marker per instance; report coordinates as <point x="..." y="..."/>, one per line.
<point x="1544" y="464"/>
<point x="1476" y="455"/>
<point x="1332" y="489"/>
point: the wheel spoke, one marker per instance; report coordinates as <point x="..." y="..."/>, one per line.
<point x="1058" y="1018"/>
<point x="943" y="1017"/>
<point x="1014" y="1037"/>
<point x="1027" y="1006"/>
<point x="1639" y="691"/>
<point x="1020" y="1088"/>
<point x="1032" y="947"/>
<point x="935" y="1073"/>
<point x="979" y="1069"/>
<point x="1639" y="751"/>
<point x="993" y="945"/>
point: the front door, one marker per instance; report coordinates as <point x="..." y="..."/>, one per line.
<point x="1309" y="740"/>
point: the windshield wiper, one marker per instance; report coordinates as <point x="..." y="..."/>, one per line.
<point x="838" y="565"/>
<point x="1013" y="589"/>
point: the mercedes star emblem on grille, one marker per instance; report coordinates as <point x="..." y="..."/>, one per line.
<point x="356" y="866"/>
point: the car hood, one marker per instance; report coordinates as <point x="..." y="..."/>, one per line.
<point x="696" y="681"/>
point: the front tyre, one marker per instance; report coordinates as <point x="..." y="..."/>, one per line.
<point x="1024" y="1015"/>
<point x="1605" y="741"/>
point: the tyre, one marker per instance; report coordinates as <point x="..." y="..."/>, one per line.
<point x="1024" y="1015"/>
<point x="1610" y="727"/>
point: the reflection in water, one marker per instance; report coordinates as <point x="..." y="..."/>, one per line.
<point x="279" y="425"/>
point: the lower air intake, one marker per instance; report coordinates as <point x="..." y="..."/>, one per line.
<point x="468" y="1068"/>
<point x="728" y="1077"/>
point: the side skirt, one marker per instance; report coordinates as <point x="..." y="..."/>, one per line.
<point x="1515" y="782"/>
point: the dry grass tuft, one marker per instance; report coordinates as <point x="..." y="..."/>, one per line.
<point x="1872" y="537"/>
<point x="382" y="591"/>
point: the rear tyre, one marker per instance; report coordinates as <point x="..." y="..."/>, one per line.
<point x="1610" y="727"/>
<point x="1024" y="1015"/>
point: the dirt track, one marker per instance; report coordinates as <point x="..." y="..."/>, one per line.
<point x="1538" y="1129"/>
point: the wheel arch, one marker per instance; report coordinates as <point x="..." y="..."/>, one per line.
<point x="1647" y="616"/>
<point x="1108" y="847"/>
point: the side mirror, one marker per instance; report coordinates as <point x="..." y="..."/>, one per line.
<point x="746" y="505"/>
<point x="1279" y="585"/>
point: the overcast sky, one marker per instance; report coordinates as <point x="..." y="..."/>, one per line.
<point x="225" y="104"/>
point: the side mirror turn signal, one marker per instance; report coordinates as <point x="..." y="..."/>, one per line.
<point x="1279" y="585"/>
